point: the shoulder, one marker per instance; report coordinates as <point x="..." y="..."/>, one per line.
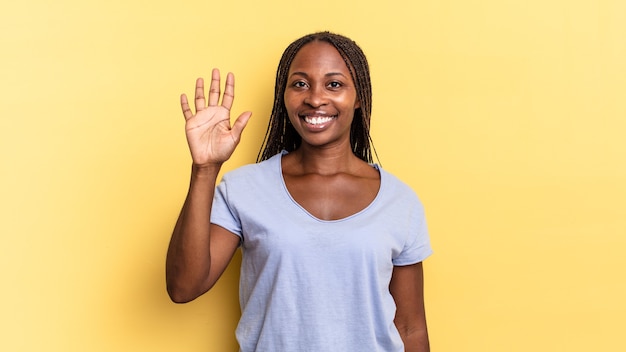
<point x="254" y="171"/>
<point x="397" y="191"/>
<point x="393" y="183"/>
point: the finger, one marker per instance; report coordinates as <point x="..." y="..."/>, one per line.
<point x="229" y="91"/>
<point x="184" y="105"/>
<point x="214" y="90"/>
<point x="199" y="101"/>
<point x="240" y="124"/>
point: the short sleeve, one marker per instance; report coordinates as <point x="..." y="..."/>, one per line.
<point x="417" y="246"/>
<point x="222" y="212"/>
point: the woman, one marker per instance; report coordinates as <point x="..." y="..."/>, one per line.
<point x="332" y="244"/>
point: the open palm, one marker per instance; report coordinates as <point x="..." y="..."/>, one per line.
<point x="210" y="136"/>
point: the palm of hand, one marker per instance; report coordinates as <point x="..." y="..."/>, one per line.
<point x="210" y="136"/>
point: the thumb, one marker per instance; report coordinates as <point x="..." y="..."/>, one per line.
<point x="240" y="124"/>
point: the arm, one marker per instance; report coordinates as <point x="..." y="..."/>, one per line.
<point x="407" y="289"/>
<point x="199" y="252"/>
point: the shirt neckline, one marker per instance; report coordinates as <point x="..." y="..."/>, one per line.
<point x="303" y="209"/>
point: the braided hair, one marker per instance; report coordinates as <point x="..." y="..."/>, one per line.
<point x="281" y="135"/>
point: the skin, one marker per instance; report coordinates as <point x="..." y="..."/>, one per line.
<point x="323" y="175"/>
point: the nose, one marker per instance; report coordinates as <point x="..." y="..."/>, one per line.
<point x="316" y="96"/>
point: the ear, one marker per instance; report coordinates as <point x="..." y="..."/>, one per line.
<point x="357" y="104"/>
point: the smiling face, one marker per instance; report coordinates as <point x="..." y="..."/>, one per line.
<point x="320" y="96"/>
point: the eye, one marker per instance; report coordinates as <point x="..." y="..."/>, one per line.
<point x="299" y="84"/>
<point x="334" y="85"/>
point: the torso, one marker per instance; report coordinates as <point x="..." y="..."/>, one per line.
<point x="296" y="271"/>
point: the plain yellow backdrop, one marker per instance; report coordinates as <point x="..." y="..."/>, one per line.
<point x="506" y="117"/>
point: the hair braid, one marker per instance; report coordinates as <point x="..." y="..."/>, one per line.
<point x="280" y="133"/>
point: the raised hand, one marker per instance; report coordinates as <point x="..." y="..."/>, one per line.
<point x="210" y="136"/>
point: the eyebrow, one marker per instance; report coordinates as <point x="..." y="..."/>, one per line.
<point x="329" y="74"/>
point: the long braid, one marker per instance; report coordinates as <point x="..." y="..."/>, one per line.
<point x="280" y="133"/>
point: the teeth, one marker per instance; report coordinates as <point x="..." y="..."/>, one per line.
<point x="317" y="120"/>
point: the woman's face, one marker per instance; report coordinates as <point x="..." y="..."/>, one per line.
<point x="320" y="95"/>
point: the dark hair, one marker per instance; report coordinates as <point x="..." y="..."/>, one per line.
<point x="281" y="135"/>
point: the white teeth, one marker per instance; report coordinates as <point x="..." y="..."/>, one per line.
<point x="317" y="120"/>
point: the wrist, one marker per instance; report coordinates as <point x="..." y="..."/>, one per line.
<point x="210" y="169"/>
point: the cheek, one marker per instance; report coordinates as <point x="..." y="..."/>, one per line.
<point x="350" y="101"/>
<point x="289" y="108"/>
<point x="289" y="103"/>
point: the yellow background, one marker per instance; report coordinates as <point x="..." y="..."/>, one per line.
<point x="507" y="117"/>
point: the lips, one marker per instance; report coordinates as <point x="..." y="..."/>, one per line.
<point x="318" y="120"/>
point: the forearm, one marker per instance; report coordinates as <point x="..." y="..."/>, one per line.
<point x="416" y="341"/>
<point x="188" y="258"/>
<point x="407" y="289"/>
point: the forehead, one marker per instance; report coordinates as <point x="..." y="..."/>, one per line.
<point x="318" y="56"/>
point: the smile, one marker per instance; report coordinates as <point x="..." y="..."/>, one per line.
<point x="318" y="120"/>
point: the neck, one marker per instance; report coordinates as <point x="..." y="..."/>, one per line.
<point x="325" y="161"/>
